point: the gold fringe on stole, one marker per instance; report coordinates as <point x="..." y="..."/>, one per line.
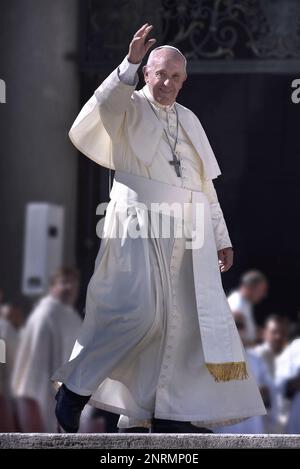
<point x="227" y="371"/>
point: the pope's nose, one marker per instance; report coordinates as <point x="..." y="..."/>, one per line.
<point x="167" y="83"/>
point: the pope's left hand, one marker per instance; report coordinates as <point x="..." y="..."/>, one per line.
<point x="225" y="259"/>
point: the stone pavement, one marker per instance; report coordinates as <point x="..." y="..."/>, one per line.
<point x="145" y="441"/>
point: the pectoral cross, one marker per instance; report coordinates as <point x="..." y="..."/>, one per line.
<point x="176" y="163"/>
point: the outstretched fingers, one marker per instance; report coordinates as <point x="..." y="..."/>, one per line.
<point x="140" y="44"/>
<point x="141" y="31"/>
<point x="147" y="31"/>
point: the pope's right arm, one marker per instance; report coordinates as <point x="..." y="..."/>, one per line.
<point x="101" y="118"/>
<point x="114" y="95"/>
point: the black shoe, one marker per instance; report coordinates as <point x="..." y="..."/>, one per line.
<point x="134" y="430"/>
<point x="68" y="408"/>
<point x="176" y="426"/>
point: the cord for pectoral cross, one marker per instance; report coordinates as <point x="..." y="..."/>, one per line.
<point x="175" y="161"/>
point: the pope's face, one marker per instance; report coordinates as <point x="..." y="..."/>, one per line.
<point x="165" y="76"/>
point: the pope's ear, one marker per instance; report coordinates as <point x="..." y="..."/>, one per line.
<point x="144" y="69"/>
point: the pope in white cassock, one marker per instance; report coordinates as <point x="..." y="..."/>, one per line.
<point x="158" y="344"/>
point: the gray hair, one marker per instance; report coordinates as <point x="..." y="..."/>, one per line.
<point x="152" y="53"/>
<point x="253" y="278"/>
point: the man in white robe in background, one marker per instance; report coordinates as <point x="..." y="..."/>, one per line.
<point x="288" y="382"/>
<point x="158" y="344"/>
<point x="253" y="288"/>
<point x="275" y="340"/>
<point x="260" y="423"/>
<point x="45" y="344"/>
<point x="275" y="336"/>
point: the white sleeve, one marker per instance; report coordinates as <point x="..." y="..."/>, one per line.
<point x="219" y="225"/>
<point x="128" y="72"/>
<point x="113" y="98"/>
<point x="220" y="228"/>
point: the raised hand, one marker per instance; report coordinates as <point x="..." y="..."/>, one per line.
<point x="139" y="45"/>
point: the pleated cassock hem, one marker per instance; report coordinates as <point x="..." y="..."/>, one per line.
<point x="197" y="420"/>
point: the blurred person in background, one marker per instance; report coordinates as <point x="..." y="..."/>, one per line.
<point x="11" y="318"/>
<point x="253" y="289"/>
<point x="46" y="342"/>
<point x="275" y="339"/>
<point x="288" y="384"/>
<point x="257" y="424"/>
<point x="275" y="336"/>
<point x="13" y="315"/>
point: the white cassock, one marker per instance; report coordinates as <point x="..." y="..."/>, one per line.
<point x="45" y="344"/>
<point x="288" y="367"/>
<point x="140" y="351"/>
<point x="241" y="305"/>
